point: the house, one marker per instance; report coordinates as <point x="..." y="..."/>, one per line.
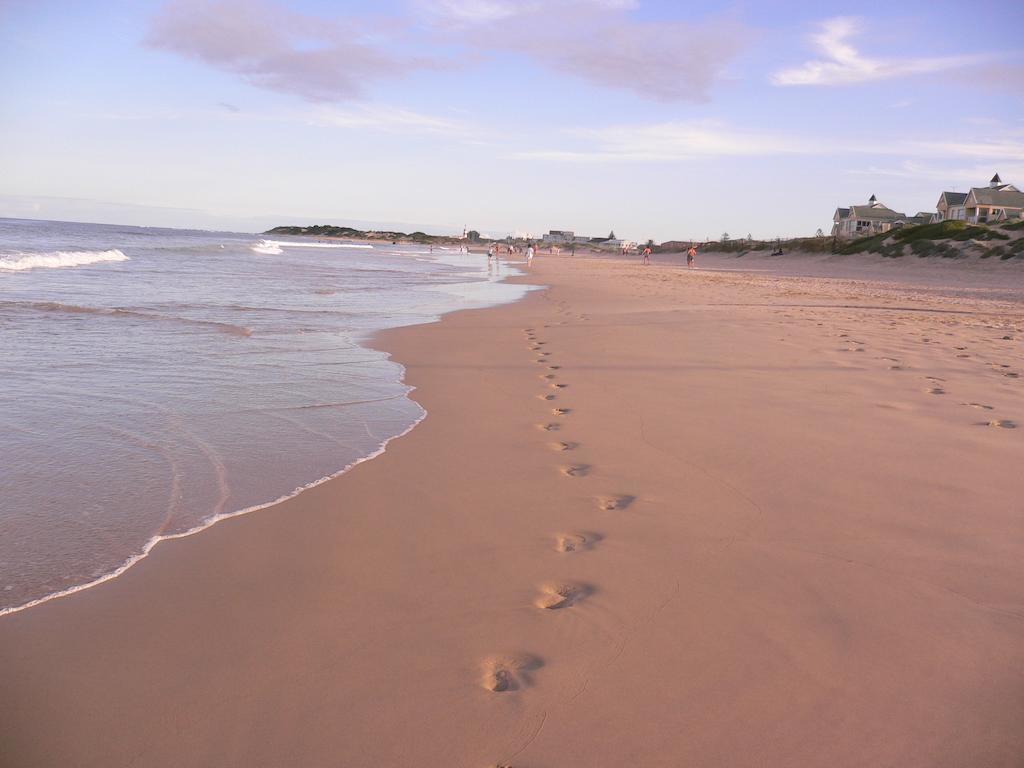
<point x="921" y="217"/>
<point x="865" y="220"/>
<point x="559" y="236"/>
<point x="996" y="202"/>
<point x="950" y="207"/>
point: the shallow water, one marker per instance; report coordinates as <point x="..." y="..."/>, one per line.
<point x="155" y="379"/>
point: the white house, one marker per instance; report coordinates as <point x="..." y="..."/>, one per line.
<point x="864" y="220"/>
<point x="996" y="202"/>
<point x="559" y="236"/>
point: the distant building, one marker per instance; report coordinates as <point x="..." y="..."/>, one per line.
<point x="950" y="207"/>
<point x="996" y="202"/>
<point x="864" y="220"/>
<point x="559" y="236"/>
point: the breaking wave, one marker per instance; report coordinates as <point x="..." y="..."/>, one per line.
<point x="267" y="248"/>
<point x="19" y="261"/>
<point x="290" y="244"/>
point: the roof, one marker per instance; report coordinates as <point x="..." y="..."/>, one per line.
<point x="1004" y="198"/>
<point x="841" y="213"/>
<point x="996" y="180"/>
<point x="876" y="211"/>
<point x="953" y="198"/>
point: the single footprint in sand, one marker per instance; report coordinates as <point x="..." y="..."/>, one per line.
<point x="559" y="386"/>
<point x="547" y="376"/>
<point x="509" y="672"/>
<point x="982" y="406"/>
<point x="936" y="391"/>
<point x="547" y="397"/>
<point x="1002" y="424"/>
<point x="549" y="427"/>
<point x="554" y="367"/>
<point x="576" y="542"/>
<point x="563" y="446"/>
<point x="612" y="503"/>
<point x="558" y="595"/>
<point x="561" y="411"/>
<point x="576" y="470"/>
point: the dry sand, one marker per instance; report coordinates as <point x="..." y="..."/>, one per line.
<point x="654" y="518"/>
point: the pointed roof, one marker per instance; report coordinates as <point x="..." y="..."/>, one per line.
<point x="996" y="180"/>
<point x="872" y="200"/>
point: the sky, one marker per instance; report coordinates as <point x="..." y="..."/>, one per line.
<point x="653" y="118"/>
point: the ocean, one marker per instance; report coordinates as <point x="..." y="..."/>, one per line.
<point x="155" y="381"/>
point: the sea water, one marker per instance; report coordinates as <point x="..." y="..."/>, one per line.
<point x="157" y="380"/>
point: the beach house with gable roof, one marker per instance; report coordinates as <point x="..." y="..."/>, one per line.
<point x="865" y="220"/>
<point x="996" y="202"/>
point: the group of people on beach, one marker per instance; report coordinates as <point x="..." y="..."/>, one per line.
<point x="510" y="249"/>
<point x="495" y="249"/>
<point x="691" y="255"/>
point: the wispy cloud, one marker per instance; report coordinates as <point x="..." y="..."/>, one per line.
<point x="601" y="42"/>
<point x="688" y="140"/>
<point x="387" y="119"/>
<point x="319" y="59"/>
<point x="843" y="64"/>
<point x="670" y="142"/>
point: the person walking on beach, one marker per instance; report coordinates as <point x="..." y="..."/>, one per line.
<point x="529" y="255"/>
<point x="647" y="254"/>
<point x="690" y="256"/>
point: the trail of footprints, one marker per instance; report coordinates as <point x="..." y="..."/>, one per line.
<point x="511" y="672"/>
<point x="936" y="385"/>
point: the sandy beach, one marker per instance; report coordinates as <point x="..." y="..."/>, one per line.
<point x="654" y="517"/>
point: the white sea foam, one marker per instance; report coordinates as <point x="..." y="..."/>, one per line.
<point x="290" y="244"/>
<point x="19" y="261"/>
<point x="148" y="546"/>
<point x="267" y="248"/>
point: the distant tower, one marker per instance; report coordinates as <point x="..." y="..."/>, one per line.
<point x="872" y="200"/>
<point x="465" y="232"/>
<point x="996" y="182"/>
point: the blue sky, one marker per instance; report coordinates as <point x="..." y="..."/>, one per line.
<point x="655" y="118"/>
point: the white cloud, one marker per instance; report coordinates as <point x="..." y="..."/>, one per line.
<point x="687" y="140"/>
<point x="599" y="41"/>
<point x="272" y="47"/>
<point x="843" y="64"/>
<point x="389" y="119"/>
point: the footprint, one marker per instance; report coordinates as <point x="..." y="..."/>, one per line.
<point x="1002" y="424"/>
<point x="936" y="391"/>
<point x="561" y="411"/>
<point x="558" y="595"/>
<point x="547" y="376"/>
<point x="576" y="470"/>
<point x="613" y="503"/>
<point x="982" y="406"/>
<point x="547" y="397"/>
<point x="576" y="542"/>
<point x="549" y="427"/>
<point x="559" y="386"/>
<point x="554" y="367"/>
<point x="509" y="672"/>
<point x="563" y="446"/>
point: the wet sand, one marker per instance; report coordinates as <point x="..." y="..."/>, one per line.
<point x="654" y="517"/>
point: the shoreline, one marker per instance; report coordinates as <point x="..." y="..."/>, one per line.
<point x="692" y="560"/>
<point x="366" y="340"/>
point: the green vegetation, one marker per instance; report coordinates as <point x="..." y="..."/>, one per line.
<point x="926" y="240"/>
<point x="864" y="244"/>
<point x="1014" y="226"/>
<point x="348" y="233"/>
